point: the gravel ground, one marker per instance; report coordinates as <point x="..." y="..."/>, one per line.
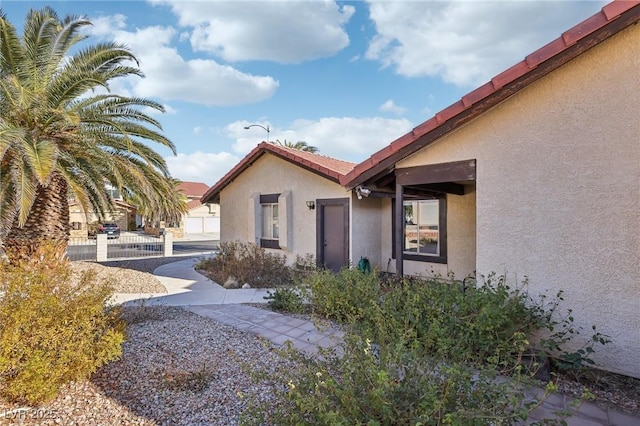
<point x="177" y="368"/>
<point x="129" y="276"/>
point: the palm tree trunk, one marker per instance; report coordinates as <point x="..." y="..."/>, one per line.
<point x="47" y="223"/>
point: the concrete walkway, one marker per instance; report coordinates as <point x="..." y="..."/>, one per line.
<point x="186" y="287"/>
<point x="198" y="294"/>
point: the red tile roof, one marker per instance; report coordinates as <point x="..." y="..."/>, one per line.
<point x="612" y="18"/>
<point x="192" y="189"/>
<point x="327" y="167"/>
<point x="193" y="204"/>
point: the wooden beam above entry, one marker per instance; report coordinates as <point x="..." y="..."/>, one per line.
<point x="457" y="171"/>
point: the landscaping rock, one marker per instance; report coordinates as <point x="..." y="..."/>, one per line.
<point x="231" y="283"/>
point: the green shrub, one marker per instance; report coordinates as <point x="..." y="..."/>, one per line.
<point x="416" y="351"/>
<point x="449" y="321"/>
<point x="287" y="299"/>
<point x="393" y="385"/>
<point x="54" y="327"/>
<point x="347" y="295"/>
<point x="485" y="324"/>
<point x="247" y="263"/>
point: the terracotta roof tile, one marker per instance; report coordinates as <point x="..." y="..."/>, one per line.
<point x="545" y="52"/>
<point x="192" y="189"/>
<point x="330" y="168"/>
<point x="403" y="141"/>
<point x="193" y="204"/>
<point x="450" y="111"/>
<point x="478" y="94"/>
<point x="534" y="66"/>
<point x="616" y="8"/>
<point x="380" y="155"/>
<point x="423" y="128"/>
<point x="510" y="74"/>
<point x="584" y="28"/>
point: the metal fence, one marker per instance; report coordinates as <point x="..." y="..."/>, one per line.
<point x="125" y="246"/>
<point x="134" y="246"/>
<point x="82" y="249"/>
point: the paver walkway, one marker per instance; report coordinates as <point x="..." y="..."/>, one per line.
<point x="198" y="294"/>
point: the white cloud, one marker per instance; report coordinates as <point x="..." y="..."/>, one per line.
<point x="171" y="77"/>
<point x="197" y="130"/>
<point x="348" y="138"/>
<point x="345" y="138"/>
<point x="390" y="106"/>
<point x="201" y="166"/>
<point x="280" y="31"/>
<point x="466" y="42"/>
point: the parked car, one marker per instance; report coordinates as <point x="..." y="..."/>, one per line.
<point x="112" y="229"/>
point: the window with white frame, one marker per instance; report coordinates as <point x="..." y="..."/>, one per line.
<point x="422" y="227"/>
<point x="270" y="230"/>
<point x="270" y="222"/>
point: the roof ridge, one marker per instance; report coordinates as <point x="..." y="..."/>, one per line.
<point x="330" y="168"/>
<point x="309" y="153"/>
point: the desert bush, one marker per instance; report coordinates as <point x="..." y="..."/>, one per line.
<point x="347" y="295"/>
<point x="247" y="263"/>
<point x="389" y="385"/>
<point x="449" y="321"/>
<point x="193" y="380"/>
<point x="488" y="323"/>
<point x="416" y="351"/>
<point x="287" y="299"/>
<point x="54" y="327"/>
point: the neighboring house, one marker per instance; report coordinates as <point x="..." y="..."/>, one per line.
<point x="535" y="174"/>
<point x="123" y="214"/>
<point x="200" y="218"/>
<point x="290" y="200"/>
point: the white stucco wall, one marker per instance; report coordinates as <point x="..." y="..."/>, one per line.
<point x="204" y="211"/>
<point x="558" y="190"/>
<point x="271" y="175"/>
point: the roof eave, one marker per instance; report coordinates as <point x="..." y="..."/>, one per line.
<point x="213" y="194"/>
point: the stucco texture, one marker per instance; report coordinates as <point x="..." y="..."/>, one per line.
<point x="272" y="175"/>
<point x="558" y="190"/>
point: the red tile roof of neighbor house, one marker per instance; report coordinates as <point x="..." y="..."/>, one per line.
<point x="192" y="189"/>
<point x="612" y="18"/>
<point x="327" y="167"/>
<point x="193" y="204"/>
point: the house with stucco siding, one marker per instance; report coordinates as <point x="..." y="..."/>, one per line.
<point x="124" y="214"/>
<point x="291" y="202"/>
<point x="534" y="174"/>
<point x="200" y="217"/>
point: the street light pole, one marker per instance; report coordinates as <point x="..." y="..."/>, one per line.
<point x="261" y="126"/>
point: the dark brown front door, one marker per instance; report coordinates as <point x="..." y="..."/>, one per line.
<point x="332" y="227"/>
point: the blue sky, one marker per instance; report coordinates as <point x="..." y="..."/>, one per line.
<point x="346" y="77"/>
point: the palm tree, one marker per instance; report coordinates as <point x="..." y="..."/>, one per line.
<point x="63" y="134"/>
<point x="300" y="145"/>
<point x="168" y="208"/>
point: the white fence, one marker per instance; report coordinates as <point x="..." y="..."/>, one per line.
<point x="126" y="246"/>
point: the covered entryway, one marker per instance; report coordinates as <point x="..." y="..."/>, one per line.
<point x="332" y="228"/>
